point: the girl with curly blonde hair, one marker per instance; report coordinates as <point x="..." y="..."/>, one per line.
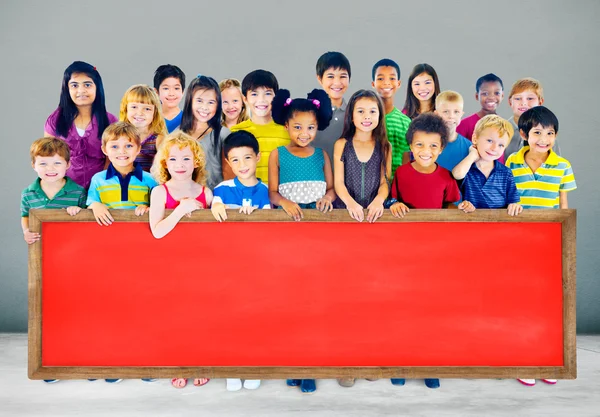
<point x="179" y="168"/>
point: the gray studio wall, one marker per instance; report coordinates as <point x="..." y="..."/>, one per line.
<point x="554" y="41"/>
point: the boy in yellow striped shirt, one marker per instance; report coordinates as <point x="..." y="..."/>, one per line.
<point x="542" y="177"/>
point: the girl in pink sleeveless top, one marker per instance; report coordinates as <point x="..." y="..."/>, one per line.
<point x="179" y="167"/>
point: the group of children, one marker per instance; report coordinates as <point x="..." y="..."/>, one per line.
<point x="250" y="145"/>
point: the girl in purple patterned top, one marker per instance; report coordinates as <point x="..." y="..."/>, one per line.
<point x="80" y="120"/>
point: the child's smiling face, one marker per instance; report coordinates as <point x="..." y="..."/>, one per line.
<point x="386" y="81"/>
<point x="170" y="92"/>
<point x="490" y="95"/>
<point x="231" y="99"/>
<point x="423" y="87"/>
<point x="490" y="145"/>
<point x="302" y="127"/>
<point x="426" y="147"/>
<point x="121" y="152"/>
<point x="540" y="139"/>
<point x="50" y="169"/>
<point x="335" y="82"/>
<point x="140" y="114"/>
<point x="365" y="114"/>
<point x="204" y="105"/>
<point x="259" y="101"/>
<point x="82" y="89"/>
<point x="243" y="161"/>
<point x="523" y="101"/>
<point x="451" y="113"/>
<point x="180" y="162"/>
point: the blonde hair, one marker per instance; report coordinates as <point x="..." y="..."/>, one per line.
<point x="141" y="93"/>
<point x="449" y="96"/>
<point x="493" y="120"/>
<point x="525" y="84"/>
<point x="49" y="146"/>
<point x="119" y="129"/>
<point x="228" y="83"/>
<point x="182" y="140"/>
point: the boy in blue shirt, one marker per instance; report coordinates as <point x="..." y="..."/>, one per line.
<point x="124" y="185"/>
<point x="486" y="183"/>
<point x="169" y="83"/>
<point x="449" y="106"/>
<point x="245" y="191"/>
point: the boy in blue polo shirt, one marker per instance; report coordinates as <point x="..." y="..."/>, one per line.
<point x="486" y="183"/>
<point x="245" y="191"/>
<point x="124" y="185"/>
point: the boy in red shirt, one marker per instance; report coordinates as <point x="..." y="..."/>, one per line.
<point x="423" y="184"/>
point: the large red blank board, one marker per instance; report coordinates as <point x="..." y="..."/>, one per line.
<point x="303" y="294"/>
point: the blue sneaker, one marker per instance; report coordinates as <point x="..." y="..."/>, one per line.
<point x="149" y="379"/>
<point x="51" y="381"/>
<point x="92" y="380"/>
<point x="398" y="381"/>
<point x="114" y="381"/>
<point x="432" y="382"/>
<point x="308" y="385"/>
<point x="293" y="382"/>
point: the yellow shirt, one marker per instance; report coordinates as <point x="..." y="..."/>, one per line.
<point x="270" y="137"/>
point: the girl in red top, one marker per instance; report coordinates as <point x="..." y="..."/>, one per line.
<point x="179" y="168"/>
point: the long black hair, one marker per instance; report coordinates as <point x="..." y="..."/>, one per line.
<point x="316" y="102"/>
<point x="202" y="82"/>
<point x="68" y="110"/>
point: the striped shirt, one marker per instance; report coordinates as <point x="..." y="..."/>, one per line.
<point x="540" y="189"/>
<point x="110" y="188"/>
<point x="147" y="152"/>
<point x="494" y="192"/>
<point x="234" y="194"/>
<point x="396" y="125"/>
<point x="33" y="197"/>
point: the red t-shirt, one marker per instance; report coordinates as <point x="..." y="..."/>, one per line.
<point x="467" y="126"/>
<point x="424" y="191"/>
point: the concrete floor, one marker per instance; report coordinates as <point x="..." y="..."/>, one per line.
<point x="482" y="398"/>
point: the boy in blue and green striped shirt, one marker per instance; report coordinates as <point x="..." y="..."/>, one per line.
<point x="50" y="158"/>
<point x="124" y="185"/>
<point x="543" y="178"/>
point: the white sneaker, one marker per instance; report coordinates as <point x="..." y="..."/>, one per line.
<point x="550" y="381"/>
<point x="252" y="383"/>
<point x="528" y="382"/>
<point x="234" y="384"/>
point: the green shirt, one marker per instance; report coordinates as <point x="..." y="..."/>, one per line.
<point x="396" y="124"/>
<point x="33" y="197"/>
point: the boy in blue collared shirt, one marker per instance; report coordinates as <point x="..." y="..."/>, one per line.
<point x="486" y="183"/>
<point x="124" y="185"/>
<point x="245" y="192"/>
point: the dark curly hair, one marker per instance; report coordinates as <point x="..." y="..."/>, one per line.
<point x="317" y="102"/>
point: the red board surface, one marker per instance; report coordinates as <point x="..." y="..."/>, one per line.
<point x="302" y="294"/>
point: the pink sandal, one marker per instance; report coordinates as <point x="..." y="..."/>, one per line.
<point x="175" y="382"/>
<point x="198" y="382"/>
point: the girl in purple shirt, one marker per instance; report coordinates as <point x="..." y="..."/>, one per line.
<point x="80" y="120"/>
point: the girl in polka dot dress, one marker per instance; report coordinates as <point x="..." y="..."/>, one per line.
<point x="300" y="175"/>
